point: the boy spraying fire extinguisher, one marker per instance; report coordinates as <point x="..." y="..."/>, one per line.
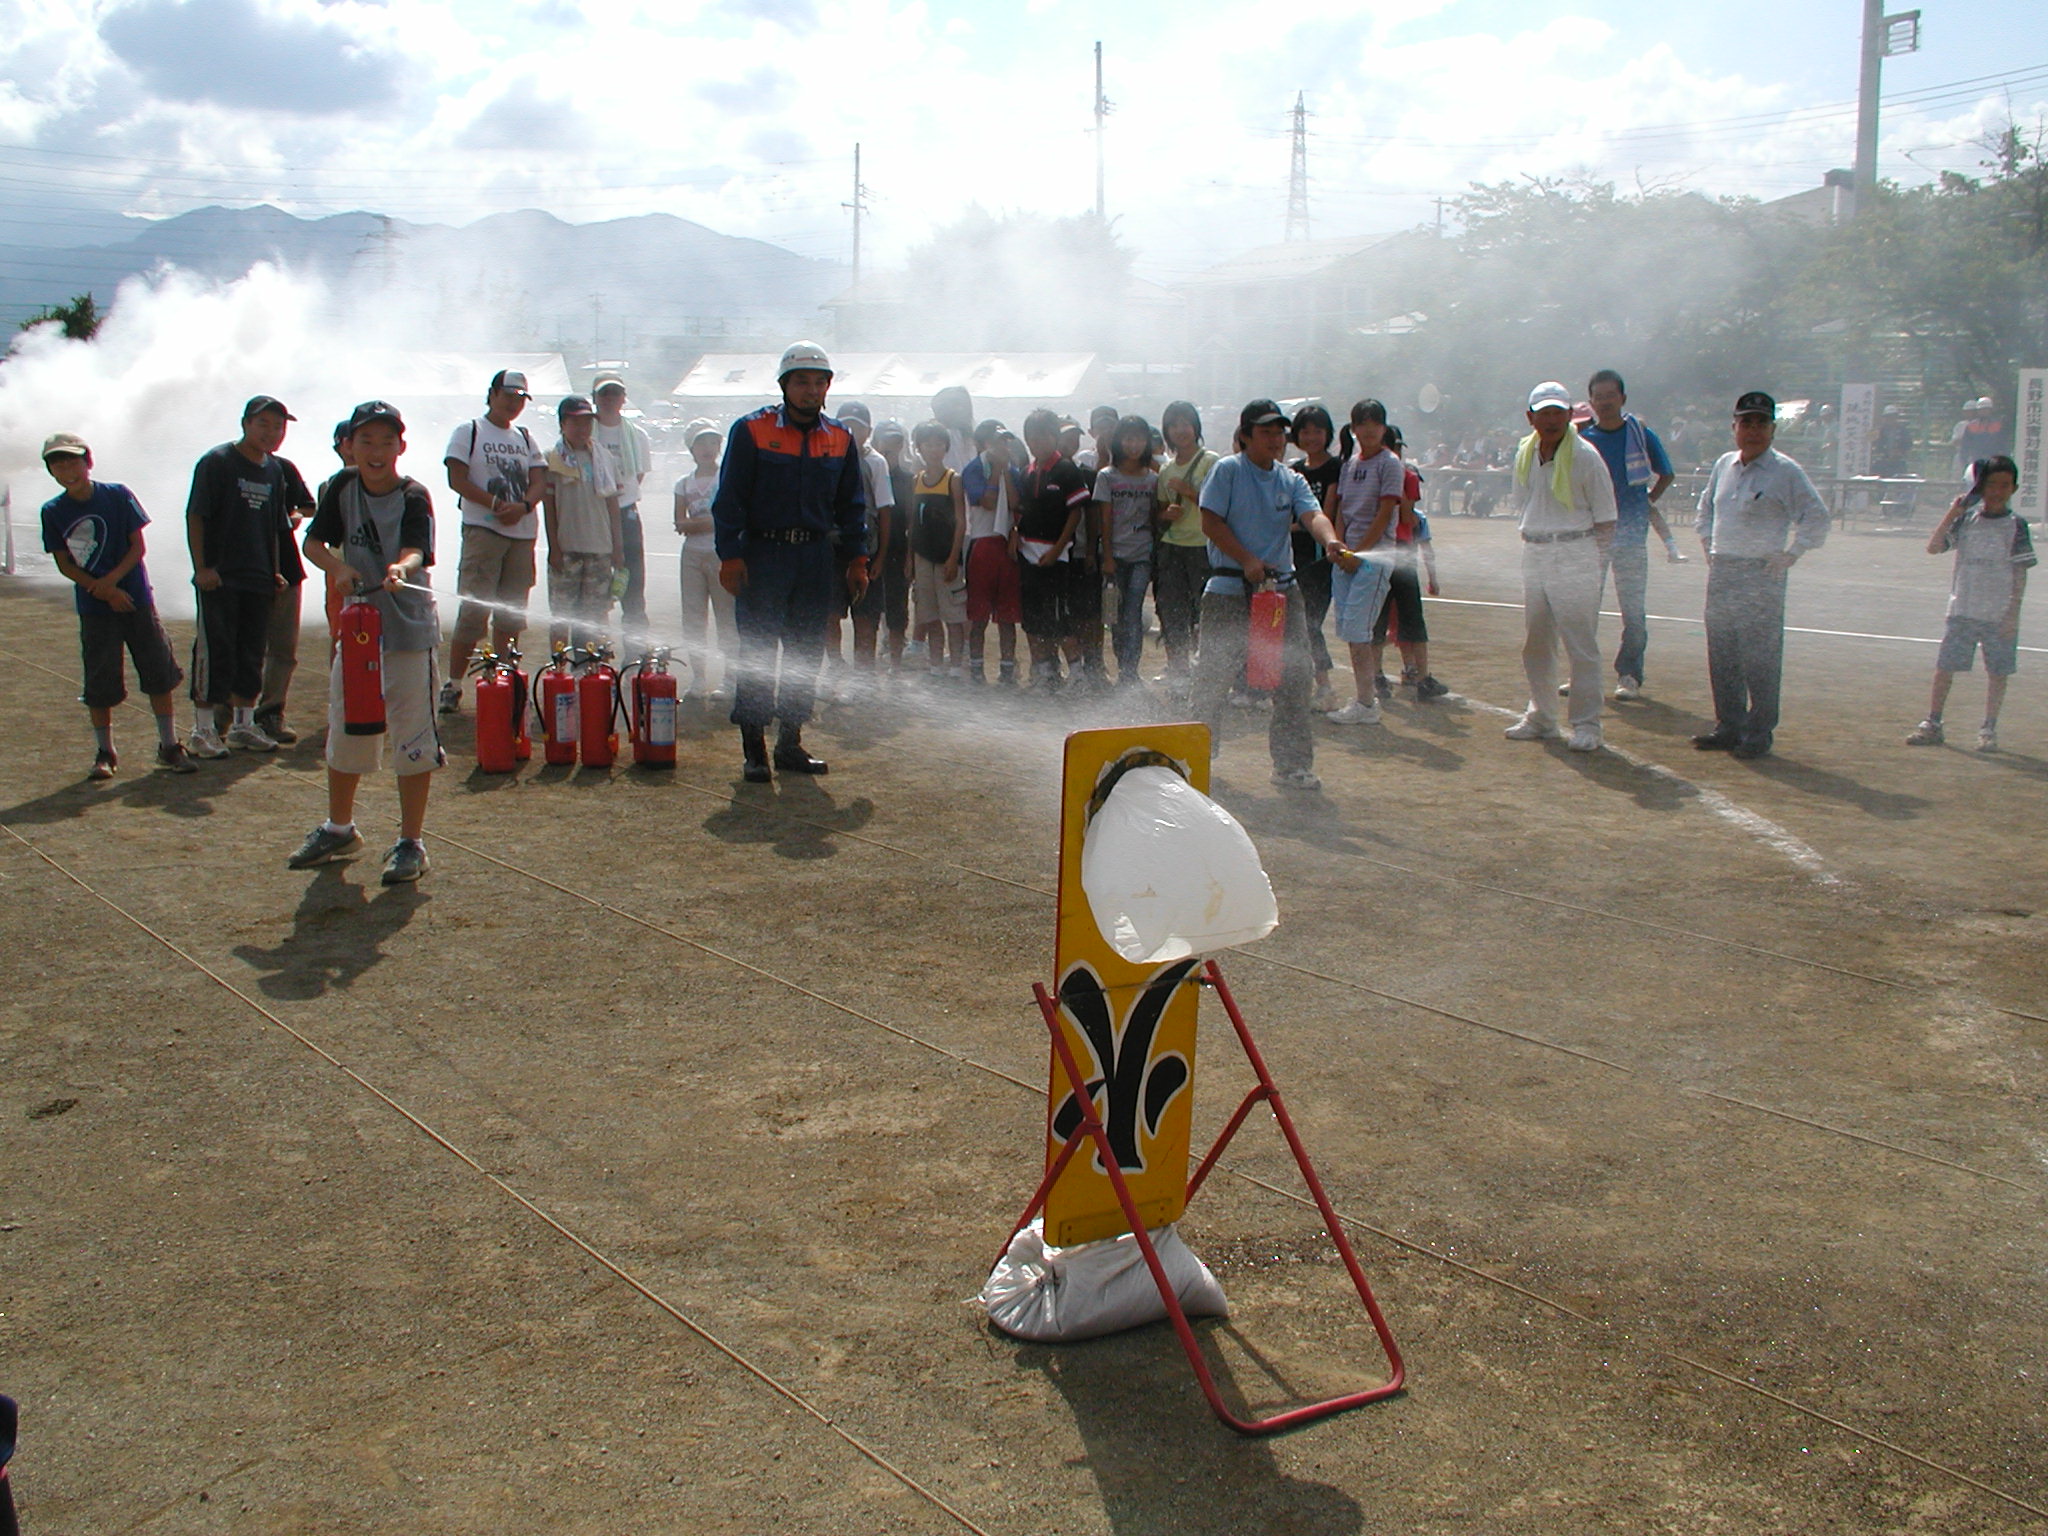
<point x="373" y="534"/>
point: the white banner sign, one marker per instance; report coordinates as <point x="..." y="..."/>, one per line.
<point x="1857" y="430"/>
<point x="2030" y="443"/>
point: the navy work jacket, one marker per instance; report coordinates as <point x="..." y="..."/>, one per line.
<point x="777" y="475"/>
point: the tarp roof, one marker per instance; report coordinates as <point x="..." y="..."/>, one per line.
<point x="904" y="375"/>
<point x="421" y="375"/>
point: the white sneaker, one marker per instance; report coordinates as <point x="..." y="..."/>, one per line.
<point x="205" y="742"/>
<point x="250" y="738"/>
<point x="1987" y="739"/>
<point x="1585" y="738"/>
<point x="1532" y="727"/>
<point x="1564" y="690"/>
<point x="1297" y="778"/>
<point x="1356" y="713"/>
<point x="1628" y="688"/>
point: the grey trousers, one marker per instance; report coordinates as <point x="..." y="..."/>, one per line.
<point x="1745" y="645"/>
<point x="1226" y="636"/>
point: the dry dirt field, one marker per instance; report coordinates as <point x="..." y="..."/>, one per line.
<point x="631" y="1174"/>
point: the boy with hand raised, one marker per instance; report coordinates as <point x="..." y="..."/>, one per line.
<point x="373" y="533"/>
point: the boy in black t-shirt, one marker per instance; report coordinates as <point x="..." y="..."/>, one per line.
<point x="95" y="532"/>
<point x="1056" y="498"/>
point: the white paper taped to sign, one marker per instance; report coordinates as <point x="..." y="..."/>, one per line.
<point x="1169" y="873"/>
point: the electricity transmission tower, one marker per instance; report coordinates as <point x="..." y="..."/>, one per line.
<point x="1297" y="174"/>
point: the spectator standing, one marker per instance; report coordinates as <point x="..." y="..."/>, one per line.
<point x="632" y="454"/>
<point x="1251" y="503"/>
<point x="992" y="490"/>
<point x="1758" y="514"/>
<point x="238" y="523"/>
<point x="1994" y="551"/>
<point x="938" y="588"/>
<point x="1315" y="435"/>
<point x="497" y="473"/>
<point x="892" y="442"/>
<point x="866" y="611"/>
<point x="1640" y="471"/>
<point x="586" y="544"/>
<point x="1566" y="505"/>
<point x="1182" y="561"/>
<point x="1126" y="494"/>
<point x="1365" y="505"/>
<point x="94" y="529"/>
<point x="1049" y="525"/>
<point x="708" y="632"/>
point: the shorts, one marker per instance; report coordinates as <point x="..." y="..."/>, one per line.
<point x="581" y="591"/>
<point x="408" y="720"/>
<point x="496" y="569"/>
<point x="1959" y="644"/>
<point x="101" y="639"/>
<point x="936" y="600"/>
<point x="993" y="591"/>
<point x="1404" y="607"/>
<point x="1047" y="598"/>
<point x="1356" y="598"/>
<point x="227" y="653"/>
<point x="869" y="605"/>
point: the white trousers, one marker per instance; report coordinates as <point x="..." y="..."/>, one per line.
<point x="1561" y="603"/>
<point x="705" y="604"/>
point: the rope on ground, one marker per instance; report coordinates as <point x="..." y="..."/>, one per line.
<point x="759" y="1373"/>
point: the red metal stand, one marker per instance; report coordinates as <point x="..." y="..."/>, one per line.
<point x="1264" y="1092"/>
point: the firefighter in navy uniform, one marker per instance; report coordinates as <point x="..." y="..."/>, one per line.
<point x="788" y="520"/>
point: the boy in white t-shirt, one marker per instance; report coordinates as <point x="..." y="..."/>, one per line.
<point x="1994" y="550"/>
<point x="708" y="631"/>
<point x="496" y="469"/>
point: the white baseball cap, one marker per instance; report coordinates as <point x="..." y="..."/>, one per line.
<point x="1550" y="393"/>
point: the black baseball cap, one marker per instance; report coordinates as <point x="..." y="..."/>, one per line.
<point x="574" y="405"/>
<point x="1103" y="413"/>
<point x="1756" y="403"/>
<point x="853" y="410"/>
<point x="512" y="379"/>
<point x="891" y="429"/>
<point x="1258" y="413"/>
<point x="375" y="410"/>
<point x="258" y="404"/>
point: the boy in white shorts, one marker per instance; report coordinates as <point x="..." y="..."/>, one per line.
<point x="374" y="532"/>
<point x="1994" y="552"/>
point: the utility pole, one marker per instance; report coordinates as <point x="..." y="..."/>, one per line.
<point x="859" y="203"/>
<point x="1102" y="109"/>
<point x="1297" y="174"/>
<point x="1884" y="37"/>
<point x="1439" y="218"/>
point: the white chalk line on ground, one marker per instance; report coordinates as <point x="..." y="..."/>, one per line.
<point x="1728" y="1377"/>
<point x="1802" y="856"/>
<point x="1790" y="629"/>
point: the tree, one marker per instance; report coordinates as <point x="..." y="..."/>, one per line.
<point x="80" y="318"/>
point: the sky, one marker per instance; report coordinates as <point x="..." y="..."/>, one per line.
<point x="743" y="114"/>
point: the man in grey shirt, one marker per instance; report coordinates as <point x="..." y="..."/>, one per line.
<point x="1757" y="516"/>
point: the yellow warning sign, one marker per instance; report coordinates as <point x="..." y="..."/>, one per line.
<point x="1130" y="1026"/>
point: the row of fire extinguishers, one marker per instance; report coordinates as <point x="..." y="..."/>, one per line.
<point x="577" y="698"/>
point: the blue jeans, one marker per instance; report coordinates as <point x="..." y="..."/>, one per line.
<point x="1133" y="580"/>
<point x="1631" y="563"/>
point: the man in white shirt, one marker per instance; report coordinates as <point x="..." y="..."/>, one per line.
<point x="632" y="452"/>
<point x="1566" y="503"/>
<point x="1756" y="501"/>
<point x="497" y="470"/>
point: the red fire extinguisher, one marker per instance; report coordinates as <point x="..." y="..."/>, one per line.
<point x="555" y="690"/>
<point x="1268" y="636"/>
<point x="360" y="655"/>
<point x="498" y="708"/>
<point x="596" y="693"/>
<point x="651" y="716"/>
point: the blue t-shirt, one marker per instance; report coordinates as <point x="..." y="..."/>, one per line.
<point x="1260" y="505"/>
<point x="97" y="532"/>
<point x="1631" y="502"/>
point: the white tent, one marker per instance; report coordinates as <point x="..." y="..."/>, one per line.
<point x="991" y="376"/>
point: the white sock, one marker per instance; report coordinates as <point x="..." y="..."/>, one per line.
<point x="338" y="830"/>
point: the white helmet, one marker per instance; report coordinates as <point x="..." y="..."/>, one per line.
<point x="803" y="354"/>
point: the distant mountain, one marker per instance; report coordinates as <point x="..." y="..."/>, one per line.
<point x="521" y="281"/>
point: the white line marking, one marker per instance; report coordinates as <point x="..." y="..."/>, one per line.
<point x="1790" y="629"/>
<point x="1800" y="855"/>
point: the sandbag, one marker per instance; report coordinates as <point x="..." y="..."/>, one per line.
<point x="1170" y="873"/>
<point x="1049" y="1295"/>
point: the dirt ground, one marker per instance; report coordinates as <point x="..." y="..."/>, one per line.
<point x="632" y="1173"/>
